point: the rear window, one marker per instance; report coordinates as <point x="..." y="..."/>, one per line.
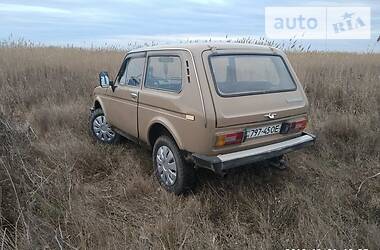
<point x="250" y="74"/>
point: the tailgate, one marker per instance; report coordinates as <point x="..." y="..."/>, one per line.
<point x="246" y="86"/>
<point x="251" y="109"/>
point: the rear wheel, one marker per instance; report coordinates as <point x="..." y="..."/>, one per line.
<point x="100" y="128"/>
<point x="170" y="168"/>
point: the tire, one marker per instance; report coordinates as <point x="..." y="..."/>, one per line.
<point x="101" y="130"/>
<point x="164" y="169"/>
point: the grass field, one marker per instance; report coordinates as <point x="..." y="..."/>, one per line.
<point x="60" y="189"/>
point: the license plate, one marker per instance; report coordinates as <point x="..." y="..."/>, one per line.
<point x="263" y="131"/>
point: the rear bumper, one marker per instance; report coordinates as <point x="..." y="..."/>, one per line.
<point x="223" y="162"/>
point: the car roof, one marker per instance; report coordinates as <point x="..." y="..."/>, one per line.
<point x="200" y="47"/>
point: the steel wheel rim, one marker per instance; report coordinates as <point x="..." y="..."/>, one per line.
<point x="102" y="130"/>
<point x="166" y="165"/>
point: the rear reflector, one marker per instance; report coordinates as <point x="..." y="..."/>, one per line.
<point x="294" y="126"/>
<point x="229" y="139"/>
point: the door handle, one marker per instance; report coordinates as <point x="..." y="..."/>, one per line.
<point x="134" y="95"/>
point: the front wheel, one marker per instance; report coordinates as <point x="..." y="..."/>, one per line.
<point x="170" y="168"/>
<point x="100" y="128"/>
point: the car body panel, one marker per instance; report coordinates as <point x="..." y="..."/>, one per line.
<point x="169" y="108"/>
<point x="124" y="110"/>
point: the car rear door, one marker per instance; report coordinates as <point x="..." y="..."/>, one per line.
<point x="122" y="102"/>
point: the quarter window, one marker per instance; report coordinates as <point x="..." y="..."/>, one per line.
<point x="164" y="73"/>
<point x="133" y="72"/>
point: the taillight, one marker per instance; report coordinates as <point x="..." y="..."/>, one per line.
<point x="294" y="126"/>
<point x="229" y="139"/>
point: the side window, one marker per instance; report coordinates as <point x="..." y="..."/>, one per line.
<point x="133" y="72"/>
<point x="164" y="73"/>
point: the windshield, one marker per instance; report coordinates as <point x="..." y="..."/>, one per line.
<point x="250" y="74"/>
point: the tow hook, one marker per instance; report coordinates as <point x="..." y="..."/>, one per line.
<point x="278" y="163"/>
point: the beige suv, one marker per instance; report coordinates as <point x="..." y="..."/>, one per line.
<point x="216" y="106"/>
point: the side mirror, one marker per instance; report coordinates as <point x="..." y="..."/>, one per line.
<point x="104" y="80"/>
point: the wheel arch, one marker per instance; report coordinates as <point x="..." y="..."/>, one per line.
<point x="159" y="127"/>
<point x="98" y="103"/>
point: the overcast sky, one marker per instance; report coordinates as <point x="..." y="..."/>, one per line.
<point x="120" y="22"/>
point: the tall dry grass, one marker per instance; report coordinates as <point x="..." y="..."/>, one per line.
<point x="60" y="189"/>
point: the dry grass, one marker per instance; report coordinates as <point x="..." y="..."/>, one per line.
<point x="60" y="189"/>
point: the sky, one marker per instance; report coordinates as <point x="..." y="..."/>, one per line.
<point x="128" y="23"/>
